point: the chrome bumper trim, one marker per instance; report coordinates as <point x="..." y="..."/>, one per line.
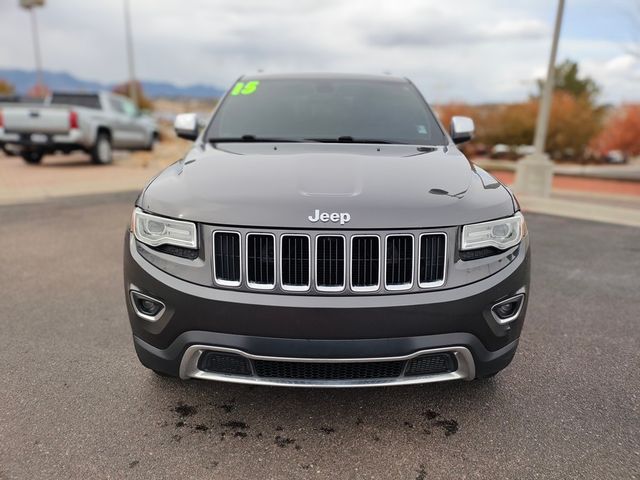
<point x="189" y="369"/>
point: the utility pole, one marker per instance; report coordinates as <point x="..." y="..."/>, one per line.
<point x="31" y="5"/>
<point x="133" y="91"/>
<point x="534" y="173"/>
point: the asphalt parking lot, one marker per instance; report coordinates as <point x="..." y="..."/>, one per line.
<point x="75" y="402"/>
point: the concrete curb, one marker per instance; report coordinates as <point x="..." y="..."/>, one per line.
<point x="582" y="210"/>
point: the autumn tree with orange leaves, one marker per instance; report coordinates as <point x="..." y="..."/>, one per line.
<point x="574" y="119"/>
<point x="621" y="132"/>
<point x="6" y="88"/>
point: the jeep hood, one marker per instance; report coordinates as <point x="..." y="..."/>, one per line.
<point x="281" y="185"/>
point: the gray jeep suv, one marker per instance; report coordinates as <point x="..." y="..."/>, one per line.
<point x="324" y="230"/>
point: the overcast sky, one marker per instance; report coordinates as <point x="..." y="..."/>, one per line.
<point x="464" y="50"/>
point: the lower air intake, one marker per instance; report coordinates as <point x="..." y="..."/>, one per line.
<point x="327" y="370"/>
<point x="431" y="364"/>
<point x="225" y="363"/>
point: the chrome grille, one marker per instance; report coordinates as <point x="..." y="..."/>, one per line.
<point x="399" y="262"/>
<point x="365" y="263"/>
<point x="318" y="262"/>
<point x="261" y="267"/>
<point x="226" y="264"/>
<point x="294" y="261"/>
<point x="330" y="265"/>
<point x="433" y="254"/>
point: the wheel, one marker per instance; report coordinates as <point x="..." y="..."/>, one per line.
<point x="155" y="138"/>
<point x="160" y="374"/>
<point x="101" y="153"/>
<point x="7" y="152"/>
<point x="32" y="157"/>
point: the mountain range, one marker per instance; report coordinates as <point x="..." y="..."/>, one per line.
<point x="23" y="80"/>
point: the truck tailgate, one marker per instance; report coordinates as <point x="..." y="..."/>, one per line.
<point x="36" y="119"/>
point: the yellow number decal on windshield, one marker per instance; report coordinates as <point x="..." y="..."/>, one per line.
<point x="242" y="88"/>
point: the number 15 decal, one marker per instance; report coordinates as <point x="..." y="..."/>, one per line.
<point x="242" y="88"/>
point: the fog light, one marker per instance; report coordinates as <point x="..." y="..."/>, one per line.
<point x="147" y="307"/>
<point x="507" y="310"/>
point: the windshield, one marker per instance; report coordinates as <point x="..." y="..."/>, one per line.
<point x="325" y="110"/>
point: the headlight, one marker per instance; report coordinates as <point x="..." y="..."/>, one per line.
<point x="156" y="231"/>
<point x="502" y="234"/>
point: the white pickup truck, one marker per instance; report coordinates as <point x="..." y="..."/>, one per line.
<point x="95" y="123"/>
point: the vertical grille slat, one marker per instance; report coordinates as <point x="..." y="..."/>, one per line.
<point x="399" y="264"/>
<point x="226" y="246"/>
<point x="365" y="263"/>
<point x="294" y="253"/>
<point x="261" y="269"/>
<point x="433" y="253"/>
<point x="330" y="262"/>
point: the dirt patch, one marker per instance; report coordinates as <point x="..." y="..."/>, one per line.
<point x="184" y="410"/>
<point x="431" y="414"/>
<point x="450" y="427"/>
<point x="235" y="424"/>
<point x="422" y="473"/>
<point x="283" y="442"/>
<point x="226" y="407"/>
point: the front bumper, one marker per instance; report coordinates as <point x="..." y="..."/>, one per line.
<point x="324" y="328"/>
<point x="73" y="140"/>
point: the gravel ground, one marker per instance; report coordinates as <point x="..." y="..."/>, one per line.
<point x="77" y="404"/>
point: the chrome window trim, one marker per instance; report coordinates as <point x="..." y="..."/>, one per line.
<point x="295" y="288"/>
<point x="226" y="283"/>
<point x="144" y="316"/>
<point x="344" y="268"/>
<point x="371" y="288"/>
<point x="439" y="283"/>
<point x="465" y="371"/>
<point x="404" y="286"/>
<point x="261" y="286"/>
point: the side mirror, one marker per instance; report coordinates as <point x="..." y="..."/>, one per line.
<point x="462" y="129"/>
<point x="186" y="126"/>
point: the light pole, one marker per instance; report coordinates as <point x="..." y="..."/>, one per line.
<point x="534" y="173"/>
<point x="31" y="5"/>
<point x="133" y="91"/>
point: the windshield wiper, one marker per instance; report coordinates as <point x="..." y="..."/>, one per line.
<point x="252" y="138"/>
<point x="350" y="139"/>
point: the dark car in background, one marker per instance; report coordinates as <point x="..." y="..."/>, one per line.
<point x="325" y="230"/>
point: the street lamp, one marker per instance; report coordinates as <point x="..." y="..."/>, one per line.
<point x="534" y="173"/>
<point x="133" y="91"/>
<point x="31" y="6"/>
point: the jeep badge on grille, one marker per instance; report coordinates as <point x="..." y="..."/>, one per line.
<point x="342" y="217"/>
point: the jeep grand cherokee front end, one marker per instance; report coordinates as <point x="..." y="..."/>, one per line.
<point x="324" y="230"/>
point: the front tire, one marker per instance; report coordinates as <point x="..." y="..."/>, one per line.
<point x="101" y="153"/>
<point x="32" y="157"/>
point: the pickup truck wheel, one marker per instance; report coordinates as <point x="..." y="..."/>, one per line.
<point x="8" y="152"/>
<point x="32" y="157"/>
<point x="153" y="141"/>
<point x="101" y="152"/>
